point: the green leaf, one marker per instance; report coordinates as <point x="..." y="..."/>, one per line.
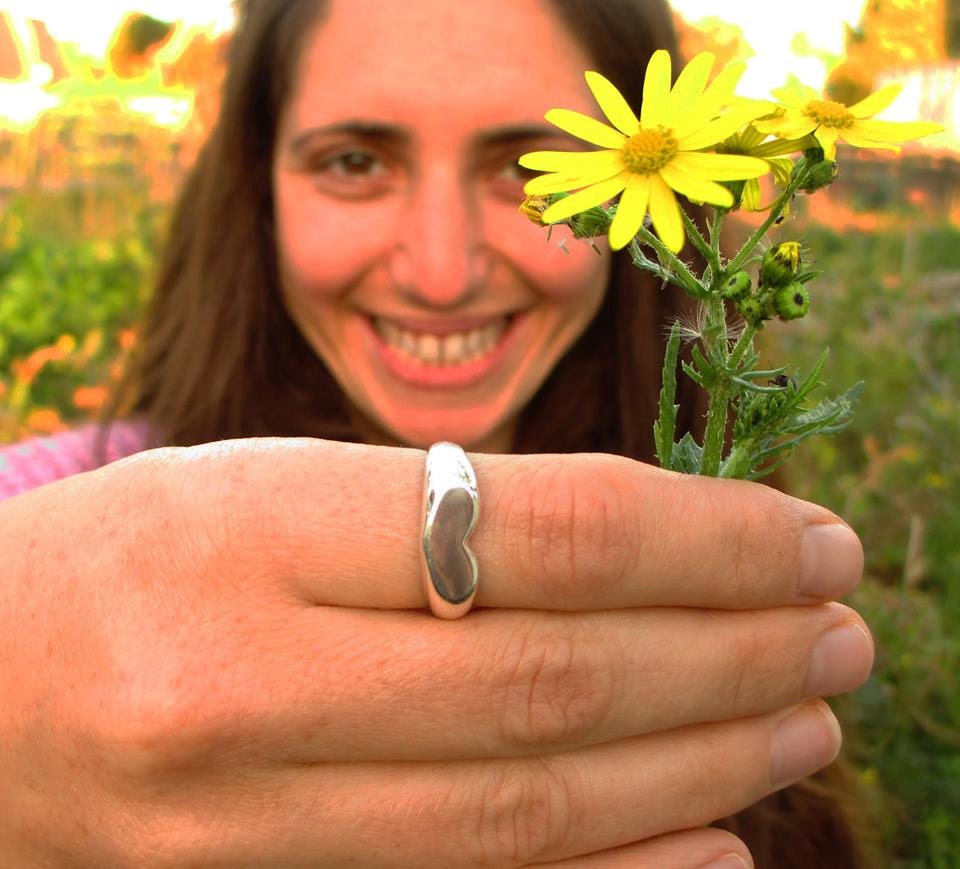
<point x="692" y="373"/>
<point x="747" y="386"/>
<point x="687" y="456"/>
<point x="829" y="416"/>
<point x="664" y="427"/>
<point x="706" y="371"/>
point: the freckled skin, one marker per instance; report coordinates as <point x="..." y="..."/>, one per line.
<point x="423" y="223"/>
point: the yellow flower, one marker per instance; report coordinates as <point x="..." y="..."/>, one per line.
<point x="804" y="111"/>
<point x="649" y="158"/>
<point x="752" y="143"/>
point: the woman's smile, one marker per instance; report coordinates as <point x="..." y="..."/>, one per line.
<point x="444" y="355"/>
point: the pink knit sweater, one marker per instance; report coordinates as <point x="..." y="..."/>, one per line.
<point x="41" y="460"/>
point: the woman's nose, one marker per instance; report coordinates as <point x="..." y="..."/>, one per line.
<point x="440" y="259"/>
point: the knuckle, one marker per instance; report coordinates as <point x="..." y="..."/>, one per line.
<point x="557" y="689"/>
<point x="524" y="812"/>
<point x="206" y="506"/>
<point x="574" y="524"/>
<point x="153" y="736"/>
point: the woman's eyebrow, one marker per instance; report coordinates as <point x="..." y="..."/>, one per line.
<point x="398" y="136"/>
<point x="389" y="134"/>
<point x="515" y="133"/>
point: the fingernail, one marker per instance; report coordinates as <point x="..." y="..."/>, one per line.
<point x="840" y="661"/>
<point x="806" y="740"/>
<point x="831" y="561"/>
<point x="727" y="861"/>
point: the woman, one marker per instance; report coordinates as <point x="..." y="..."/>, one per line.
<point x="227" y="660"/>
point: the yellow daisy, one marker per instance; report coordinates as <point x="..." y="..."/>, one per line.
<point x="803" y="111"/>
<point x="649" y="158"/>
<point x="753" y="143"/>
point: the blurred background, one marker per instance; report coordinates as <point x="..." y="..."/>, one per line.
<point x="101" y="114"/>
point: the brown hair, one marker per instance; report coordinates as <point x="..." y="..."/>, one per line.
<point x="218" y="356"/>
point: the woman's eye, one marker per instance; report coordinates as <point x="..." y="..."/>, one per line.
<point x="354" y="164"/>
<point x="352" y="174"/>
<point x="516" y="173"/>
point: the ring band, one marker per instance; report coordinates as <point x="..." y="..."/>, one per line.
<point x="450" y="509"/>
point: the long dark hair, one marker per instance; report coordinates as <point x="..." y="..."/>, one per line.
<point x="219" y="357"/>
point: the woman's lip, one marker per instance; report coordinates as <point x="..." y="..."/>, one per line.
<point x="444" y="327"/>
<point x="450" y="376"/>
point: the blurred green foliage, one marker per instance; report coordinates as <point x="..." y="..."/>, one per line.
<point x="67" y="298"/>
<point x="888" y="306"/>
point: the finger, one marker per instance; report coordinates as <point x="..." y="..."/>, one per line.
<point x="502" y="683"/>
<point x="488" y="813"/>
<point x="343" y="524"/>
<point x="705" y="848"/>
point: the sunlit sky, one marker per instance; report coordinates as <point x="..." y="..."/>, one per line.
<point x="770" y="28"/>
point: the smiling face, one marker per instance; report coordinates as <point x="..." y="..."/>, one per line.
<point x="438" y="307"/>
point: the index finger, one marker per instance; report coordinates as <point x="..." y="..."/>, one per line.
<point x="560" y="532"/>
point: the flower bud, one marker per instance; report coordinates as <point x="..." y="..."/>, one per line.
<point x="780" y="264"/>
<point x="821" y="175"/>
<point x="591" y="223"/>
<point x="533" y="207"/>
<point x="752" y="311"/>
<point x="736" y="287"/>
<point x="792" y="301"/>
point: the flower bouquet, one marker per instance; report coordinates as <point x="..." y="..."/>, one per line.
<point x="697" y="138"/>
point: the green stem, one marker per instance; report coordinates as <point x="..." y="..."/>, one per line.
<point x="716" y="428"/>
<point x="719" y="392"/>
<point x="674" y="270"/>
<point x="800" y="173"/>
<point x="699" y="242"/>
<point x="743" y="343"/>
<point x="716" y="227"/>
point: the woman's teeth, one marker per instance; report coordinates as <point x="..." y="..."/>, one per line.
<point x="453" y="349"/>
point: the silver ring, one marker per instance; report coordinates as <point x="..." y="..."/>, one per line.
<point x="450" y="509"/>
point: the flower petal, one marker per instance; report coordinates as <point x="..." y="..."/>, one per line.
<point x="796" y="96"/>
<point x="696" y="189"/>
<point x="688" y="88"/>
<point x="631" y="210"/>
<point x="778" y="147"/>
<point x="876" y="103"/>
<point x="656" y="89"/>
<point x="718" y="94"/>
<point x="612" y="103"/>
<point x="586" y="128"/>
<point x="782" y="168"/>
<point x="750" y="198"/>
<point x="792" y="125"/>
<point x="851" y="138"/>
<point x="894" y="131"/>
<point x="584" y="200"/>
<point x="720" y="128"/>
<point x="561" y="182"/>
<point x="573" y="162"/>
<point x="720" y="167"/>
<point x="827" y="139"/>
<point x="665" y="213"/>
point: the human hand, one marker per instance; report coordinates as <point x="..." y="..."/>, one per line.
<point x="218" y="656"/>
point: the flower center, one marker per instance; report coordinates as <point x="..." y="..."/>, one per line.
<point x="829" y="114"/>
<point x="648" y="151"/>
